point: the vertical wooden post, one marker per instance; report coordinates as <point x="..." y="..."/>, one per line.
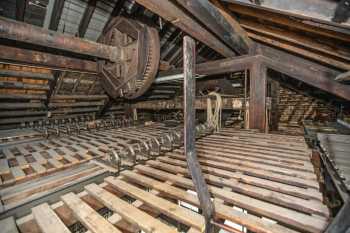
<point x="257" y="98"/>
<point x="275" y="92"/>
<point x="190" y="132"/>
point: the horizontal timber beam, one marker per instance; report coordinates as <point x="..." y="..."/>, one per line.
<point x="26" y="74"/>
<point x="26" y="57"/>
<point x="22" y="32"/>
<point x="177" y="104"/>
<point x="222" y="66"/>
<point x="303" y="70"/>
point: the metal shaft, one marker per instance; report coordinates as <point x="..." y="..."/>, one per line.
<point x="19" y="31"/>
<point x="189" y="132"/>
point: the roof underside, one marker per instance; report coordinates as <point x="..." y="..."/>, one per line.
<point x="301" y="28"/>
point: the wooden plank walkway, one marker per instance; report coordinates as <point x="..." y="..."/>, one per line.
<point x="150" y="197"/>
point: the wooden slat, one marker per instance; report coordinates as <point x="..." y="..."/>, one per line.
<point x="38" y="168"/>
<point x="54" y="154"/>
<point x="4" y="166"/>
<point x="130" y="213"/>
<point x="47" y="220"/>
<point x="39" y="158"/>
<point x="249" y="171"/>
<point x="221" y="211"/>
<point x="253" y="165"/>
<point x="288" y="201"/>
<point x="265" y="150"/>
<point x="87" y="216"/>
<point x="8" y="225"/>
<point x="17" y="172"/>
<point x="8" y="154"/>
<point x="22" y="162"/>
<point x="174" y="211"/>
<point x="278" y="213"/>
<point x="216" y="139"/>
<point x="259" y="158"/>
<point x="55" y="163"/>
<point x="23" y="150"/>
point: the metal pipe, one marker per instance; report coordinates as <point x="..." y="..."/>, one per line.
<point x="18" y="31"/>
<point x="343" y="123"/>
<point x="190" y="135"/>
<point x="175" y="77"/>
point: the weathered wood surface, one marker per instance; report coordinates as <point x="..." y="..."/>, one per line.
<point x="287" y="195"/>
<point x="337" y="149"/>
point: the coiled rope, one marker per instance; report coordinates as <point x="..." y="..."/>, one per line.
<point x="214" y="117"/>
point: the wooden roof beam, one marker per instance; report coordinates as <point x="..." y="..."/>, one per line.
<point x="85" y="20"/>
<point x="20" y="9"/>
<point x="56" y="14"/>
<point x="178" y="17"/>
<point x="214" y="18"/>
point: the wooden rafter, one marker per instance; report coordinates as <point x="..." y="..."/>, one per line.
<point x="231" y="34"/>
<point x="115" y="13"/>
<point x="85" y="21"/>
<point x="56" y="14"/>
<point x="173" y="13"/>
<point x="20" y="9"/>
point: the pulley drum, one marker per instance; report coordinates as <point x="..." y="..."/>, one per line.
<point x="138" y="59"/>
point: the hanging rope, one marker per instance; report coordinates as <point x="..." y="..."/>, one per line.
<point x="214" y="118"/>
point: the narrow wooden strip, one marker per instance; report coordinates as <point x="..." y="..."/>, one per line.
<point x="87" y="216"/>
<point x="17" y="172"/>
<point x="8" y="225"/>
<point x="290" y="152"/>
<point x="39" y="158"/>
<point x="130" y="213"/>
<point x="278" y="213"/>
<point x="263" y="136"/>
<point x="271" y="143"/>
<point x="22" y="162"/>
<point x="38" y="168"/>
<point x="8" y="154"/>
<point x="249" y="171"/>
<point x="251" y="165"/>
<point x="230" y="143"/>
<point x="310" y="207"/>
<point x="244" y="149"/>
<point x="55" y="163"/>
<point x="253" y="223"/>
<point x="180" y="214"/>
<point x="4" y="166"/>
<point x="70" y="158"/>
<point x="47" y="220"/>
<point x="256" y="153"/>
<point x="53" y="154"/>
<point x="260" y="158"/>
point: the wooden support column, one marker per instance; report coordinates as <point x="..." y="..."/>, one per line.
<point x="274" y="116"/>
<point x="257" y="98"/>
<point x="190" y="132"/>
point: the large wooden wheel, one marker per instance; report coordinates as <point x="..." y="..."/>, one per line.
<point x="134" y="72"/>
